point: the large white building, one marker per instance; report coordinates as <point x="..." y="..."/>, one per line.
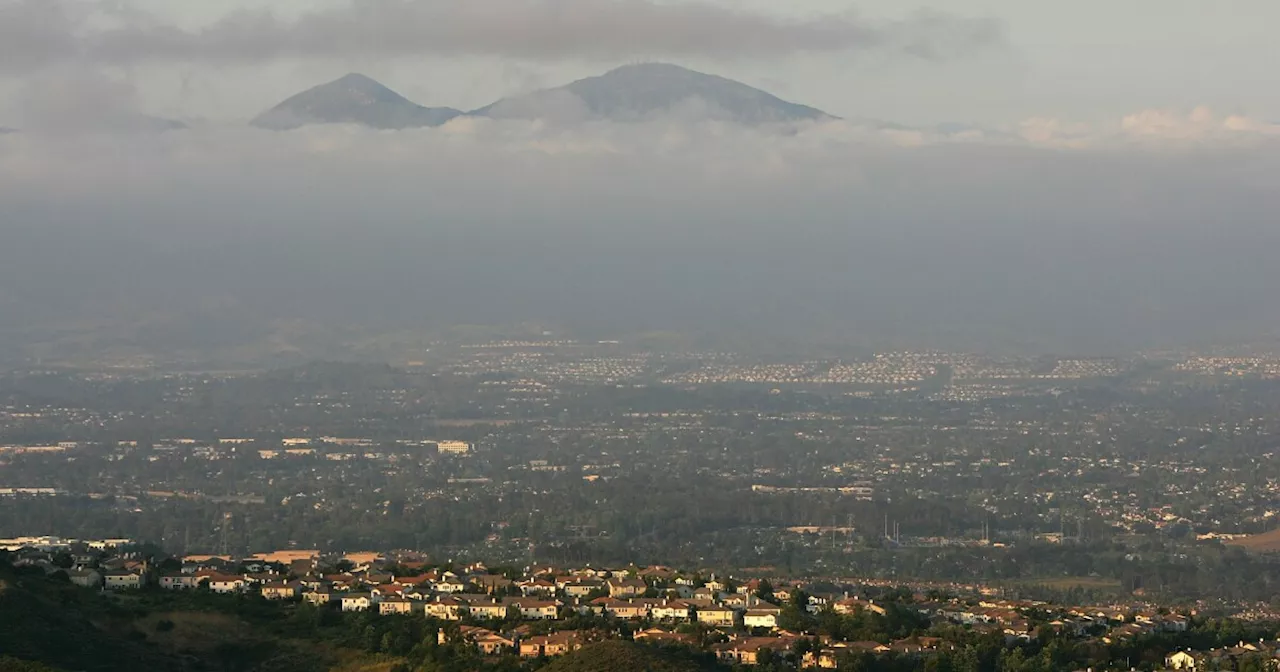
<point x="453" y="447"/>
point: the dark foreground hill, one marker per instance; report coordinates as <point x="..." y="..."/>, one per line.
<point x="49" y="622"/>
<point x="49" y="625"/>
<point x="619" y="656"/>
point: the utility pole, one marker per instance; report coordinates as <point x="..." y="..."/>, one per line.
<point x="224" y="542"/>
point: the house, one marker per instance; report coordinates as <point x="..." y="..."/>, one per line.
<point x="301" y="566"/>
<point x="491" y="583"/>
<point x="534" y="609"/>
<point x="657" y="573"/>
<point x="659" y="636"/>
<point x="225" y="583"/>
<point x="122" y="579"/>
<point x="387" y="590"/>
<point x="487" y="608"/>
<point x="410" y="581"/>
<point x="869" y="647"/>
<point x="450" y="584"/>
<point x="85" y="578"/>
<point x="395" y="605"/>
<point x="417" y="594"/>
<point x="446" y="608"/>
<point x="281" y="590"/>
<point x="827" y="659"/>
<point x="761" y="617"/>
<point x="489" y="642"/>
<point x="580" y="587"/>
<point x="745" y="651"/>
<point x="704" y="593"/>
<point x="195" y="563"/>
<point x="624" y="609"/>
<point x="851" y="605"/>
<point x="540" y="587"/>
<point x="624" y="587"/>
<point x="718" y="617"/>
<point x="357" y="602"/>
<point x="179" y="581"/>
<point x="555" y="644"/>
<point x="321" y="597"/>
<point x="819" y="602"/>
<point x="671" y="610"/>
<point x="1183" y="660"/>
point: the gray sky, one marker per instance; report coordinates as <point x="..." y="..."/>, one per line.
<point x="991" y="62"/>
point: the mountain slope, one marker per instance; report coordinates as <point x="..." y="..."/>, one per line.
<point x="352" y="99"/>
<point x="638" y="92"/>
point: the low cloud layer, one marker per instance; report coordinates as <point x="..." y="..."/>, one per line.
<point x="833" y="232"/>
<point x="37" y="33"/>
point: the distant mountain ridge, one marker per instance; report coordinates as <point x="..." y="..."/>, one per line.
<point x="627" y="94"/>
<point x="639" y="92"/>
<point x="352" y="99"/>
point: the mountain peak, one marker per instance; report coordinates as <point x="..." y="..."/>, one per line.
<point x="651" y="67"/>
<point x="640" y="91"/>
<point x="356" y="78"/>
<point x="352" y="99"/>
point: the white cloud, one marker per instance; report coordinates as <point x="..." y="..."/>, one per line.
<point x="1150" y="129"/>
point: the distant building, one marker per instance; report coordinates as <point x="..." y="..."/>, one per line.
<point x="453" y="447"/>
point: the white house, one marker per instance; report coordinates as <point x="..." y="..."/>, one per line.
<point x="671" y="610"/>
<point x="226" y="583"/>
<point x="122" y="580"/>
<point x="761" y="618"/>
<point x="535" y="609"/>
<point x="179" y="581"/>
<point x="357" y="602"/>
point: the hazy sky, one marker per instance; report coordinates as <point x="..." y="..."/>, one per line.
<point x="991" y="62"/>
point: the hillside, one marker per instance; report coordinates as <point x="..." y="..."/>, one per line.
<point x="619" y="656"/>
<point x="637" y="92"/>
<point x="1266" y="542"/>
<point x="49" y="622"/>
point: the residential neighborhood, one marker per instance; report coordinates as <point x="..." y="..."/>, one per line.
<point x="546" y="611"/>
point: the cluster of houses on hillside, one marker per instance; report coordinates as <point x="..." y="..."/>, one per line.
<point x="747" y="616"/>
<point x="1266" y="655"/>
